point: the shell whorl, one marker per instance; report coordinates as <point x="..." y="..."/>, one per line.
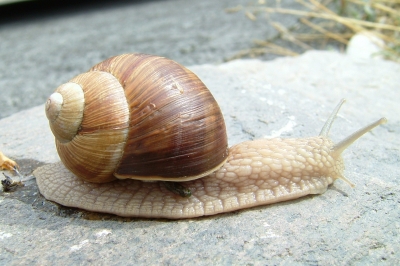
<point x="64" y="109"/>
<point x="95" y="148"/>
<point x="144" y="117"/>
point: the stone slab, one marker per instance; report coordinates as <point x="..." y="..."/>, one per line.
<point x="287" y="97"/>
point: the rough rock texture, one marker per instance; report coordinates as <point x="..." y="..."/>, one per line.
<point x="288" y="97"/>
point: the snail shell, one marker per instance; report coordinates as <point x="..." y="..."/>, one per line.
<point x="137" y="116"/>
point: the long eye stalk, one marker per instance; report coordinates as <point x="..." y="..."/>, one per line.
<point x="338" y="148"/>
<point x="342" y="145"/>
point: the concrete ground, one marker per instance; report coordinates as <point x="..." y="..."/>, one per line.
<point x="286" y="97"/>
<point x="48" y="45"/>
<point x="289" y="97"/>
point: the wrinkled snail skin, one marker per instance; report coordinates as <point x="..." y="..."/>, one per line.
<point x="252" y="173"/>
<point x="252" y="176"/>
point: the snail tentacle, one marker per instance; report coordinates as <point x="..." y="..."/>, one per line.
<point x="338" y="148"/>
<point x="342" y="145"/>
<point x="327" y="126"/>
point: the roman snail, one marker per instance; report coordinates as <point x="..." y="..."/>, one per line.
<point x="137" y="117"/>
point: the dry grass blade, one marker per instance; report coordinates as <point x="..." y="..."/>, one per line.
<point x="379" y="6"/>
<point x="234" y="9"/>
<point x="269" y="48"/>
<point x="318" y="36"/>
<point x="276" y="48"/>
<point x="381" y="18"/>
<point x="333" y="17"/>
<point x="250" y="15"/>
<point x="327" y="33"/>
<point x="287" y="35"/>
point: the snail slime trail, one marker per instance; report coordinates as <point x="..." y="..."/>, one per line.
<point x="106" y="155"/>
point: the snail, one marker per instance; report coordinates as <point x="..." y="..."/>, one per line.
<point x="135" y="118"/>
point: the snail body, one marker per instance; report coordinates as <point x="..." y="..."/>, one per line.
<point x="248" y="174"/>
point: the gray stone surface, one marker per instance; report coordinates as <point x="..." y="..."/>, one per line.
<point x="40" y="52"/>
<point x="288" y="97"/>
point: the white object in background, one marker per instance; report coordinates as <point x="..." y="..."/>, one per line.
<point x="365" y="45"/>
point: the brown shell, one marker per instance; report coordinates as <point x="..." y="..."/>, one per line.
<point x="144" y="117"/>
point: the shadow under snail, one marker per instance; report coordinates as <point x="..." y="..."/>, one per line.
<point x="135" y="118"/>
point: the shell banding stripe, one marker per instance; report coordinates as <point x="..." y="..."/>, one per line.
<point x="176" y="128"/>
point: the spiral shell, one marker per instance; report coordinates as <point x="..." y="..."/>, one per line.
<point x="137" y="116"/>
